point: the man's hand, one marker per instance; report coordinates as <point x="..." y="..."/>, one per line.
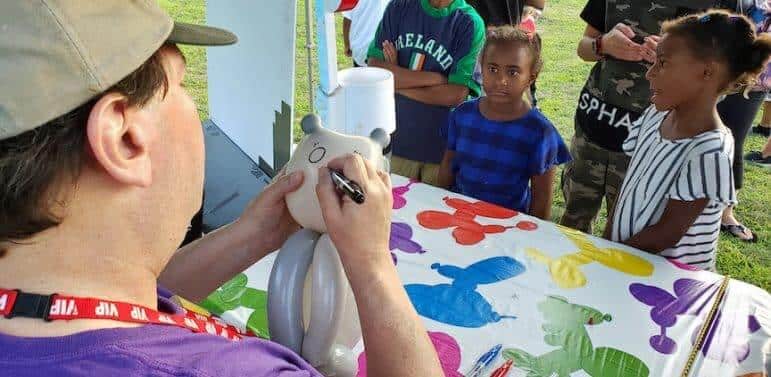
<point x="618" y="44"/>
<point x="359" y="231"/>
<point x="199" y="268"/>
<point x="389" y="52"/>
<point x="649" y="48"/>
<point x="397" y="342"/>
<point x="267" y="216"/>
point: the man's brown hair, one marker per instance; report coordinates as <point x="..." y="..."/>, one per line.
<point x="37" y="167"/>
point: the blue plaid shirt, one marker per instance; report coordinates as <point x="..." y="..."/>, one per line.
<point x="494" y="160"/>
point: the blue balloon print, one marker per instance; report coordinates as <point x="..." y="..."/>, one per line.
<point x="458" y="303"/>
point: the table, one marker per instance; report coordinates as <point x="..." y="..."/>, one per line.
<point x="561" y="302"/>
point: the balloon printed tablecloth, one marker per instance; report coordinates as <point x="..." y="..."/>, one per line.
<point x="561" y="302"/>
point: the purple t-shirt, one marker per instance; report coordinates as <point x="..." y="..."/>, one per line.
<point x="151" y="350"/>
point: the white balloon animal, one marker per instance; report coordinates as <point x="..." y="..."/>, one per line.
<point x="333" y="326"/>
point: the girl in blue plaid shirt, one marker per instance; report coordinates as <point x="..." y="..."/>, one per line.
<point x="499" y="148"/>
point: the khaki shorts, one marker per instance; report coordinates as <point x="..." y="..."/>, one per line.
<point x="593" y="174"/>
<point x="422" y="171"/>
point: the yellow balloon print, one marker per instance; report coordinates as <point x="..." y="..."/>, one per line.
<point x="566" y="270"/>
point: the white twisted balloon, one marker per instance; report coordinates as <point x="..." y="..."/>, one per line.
<point x="333" y="325"/>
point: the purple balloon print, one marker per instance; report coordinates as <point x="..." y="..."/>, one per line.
<point x="401" y="239"/>
<point x="665" y="308"/>
<point x="726" y="342"/>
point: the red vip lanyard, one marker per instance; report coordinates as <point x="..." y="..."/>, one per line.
<point x="15" y="303"/>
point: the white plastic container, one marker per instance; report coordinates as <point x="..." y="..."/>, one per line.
<point x="363" y="102"/>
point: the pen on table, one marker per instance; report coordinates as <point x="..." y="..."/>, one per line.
<point x="347" y="186"/>
<point x="503" y="370"/>
<point x="484" y="361"/>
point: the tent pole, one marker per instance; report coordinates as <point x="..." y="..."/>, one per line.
<point x="309" y="48"/>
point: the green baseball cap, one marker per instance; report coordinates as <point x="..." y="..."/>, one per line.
<point x="56" y="55"/>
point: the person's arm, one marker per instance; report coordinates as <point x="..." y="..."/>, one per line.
<point x="406" y="78"/>
<point x="446" y="177"/>
<point x="199" y="268"/>
<point x="449" y="95"/>
<point x="468" y="43"/>
<point x="616" y="43"/>
<point x="396" y="341"/>
<point x="703" y="179"/>
<point x="347" y="36"/>
<point x="594" y="16"/>
<point x="586" y="45"/>
<point x="542" y="188"/>
<point x="547" y="154"/>
<point x="677" y="218"/>
<point x="382" y="53"/>
<point x="537" y="4"/>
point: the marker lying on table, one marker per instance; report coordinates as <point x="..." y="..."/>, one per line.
<point x="484" y="361"/>
<point x="503" y="370"/>
<point x="347" y="186"/>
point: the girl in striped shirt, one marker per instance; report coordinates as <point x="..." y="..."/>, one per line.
<point x="680" y="177"/>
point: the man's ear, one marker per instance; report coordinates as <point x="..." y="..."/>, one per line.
<point x="119" y="136"/>
<point x="709" y="71"/>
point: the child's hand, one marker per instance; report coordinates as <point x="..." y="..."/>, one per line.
<point x="618" y="44"/>
<point x="390" y="53"/>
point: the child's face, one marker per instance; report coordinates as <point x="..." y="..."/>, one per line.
<point x="506" y="72"/>
<point x="677" y="76"/>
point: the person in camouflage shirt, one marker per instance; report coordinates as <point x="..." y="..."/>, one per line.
<point x="621" y="38"/>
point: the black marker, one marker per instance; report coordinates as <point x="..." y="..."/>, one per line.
<point x="347" y="186"/>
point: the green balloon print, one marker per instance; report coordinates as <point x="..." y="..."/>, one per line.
<point x="235" y="294"/>
<point x="565" y="327"/>
<point x="257" y="300"/>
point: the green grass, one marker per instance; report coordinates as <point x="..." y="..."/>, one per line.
<point x="559" y="85"/>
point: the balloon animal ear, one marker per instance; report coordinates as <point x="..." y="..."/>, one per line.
<point x="310" y="124"/>
<point x="381" y="137"/>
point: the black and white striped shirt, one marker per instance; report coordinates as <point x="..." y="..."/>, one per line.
<point x="685" y="170"/>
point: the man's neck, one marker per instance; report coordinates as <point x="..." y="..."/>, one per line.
<point x="91" y="264"/>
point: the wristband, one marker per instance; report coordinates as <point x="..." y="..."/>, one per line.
<point x="597" y="45"/>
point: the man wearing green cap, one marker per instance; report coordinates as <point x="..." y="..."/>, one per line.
<point x="101" y="164"/>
